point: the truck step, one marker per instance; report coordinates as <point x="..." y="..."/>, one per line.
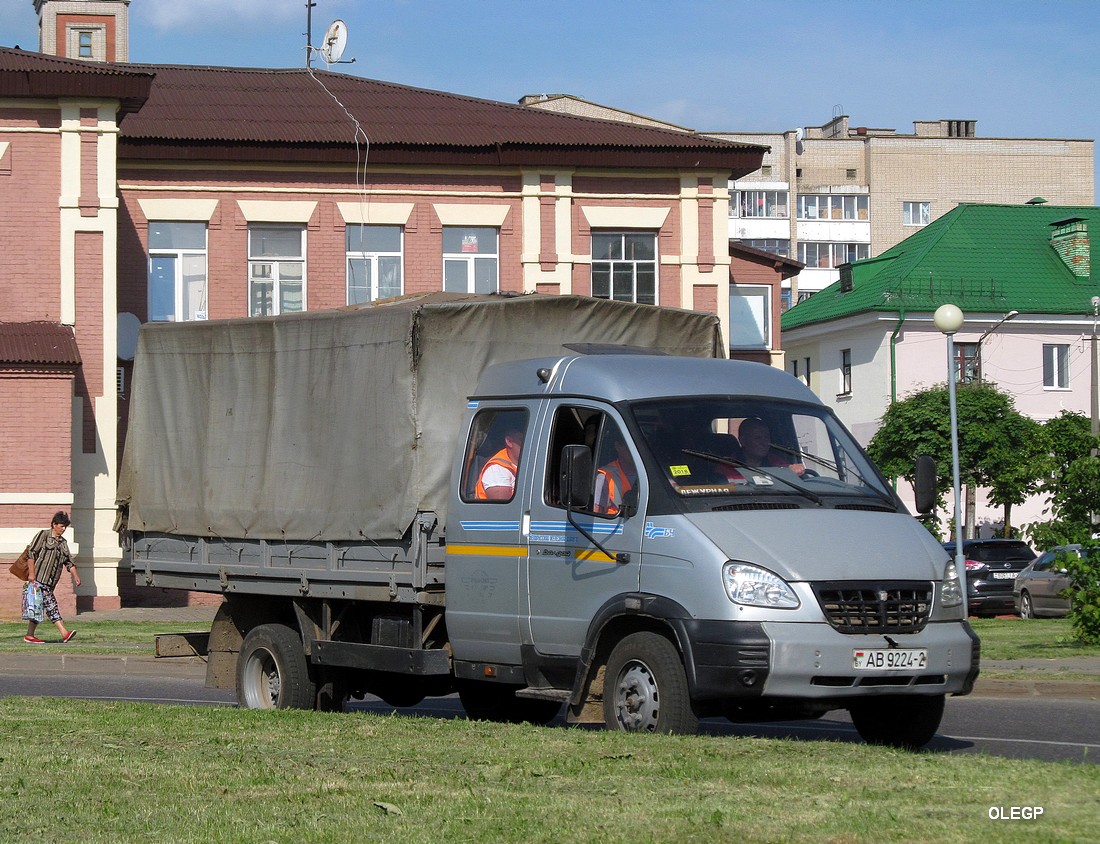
<point x="544" y="694"/>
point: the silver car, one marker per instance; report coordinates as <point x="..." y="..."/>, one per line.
<point x="1038" y="589"/>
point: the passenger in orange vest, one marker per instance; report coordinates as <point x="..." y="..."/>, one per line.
<point x="615" y="480"/>
<point x="497" y="481"/>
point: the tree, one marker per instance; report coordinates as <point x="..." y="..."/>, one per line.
<point x="1071" y="480"/>
<point x="999" y="448"/>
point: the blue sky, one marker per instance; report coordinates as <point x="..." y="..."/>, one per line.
<point x="1021" y="68"/>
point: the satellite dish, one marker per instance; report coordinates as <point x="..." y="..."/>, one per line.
<point x="336" y="39"/>
<point x="799" y="134"/>
<point x="128" y="326"/>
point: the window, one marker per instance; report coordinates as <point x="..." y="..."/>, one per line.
<point x="916" y="213"/>
<point x="276" y="269"/>
<point x="760" y="203"/>
<point x="624" y="266"/>
<point x="177" y="271"/>
<point x="806" y="371"/>
<point x="831" y="255"/>
<point x="777" y="246"/>
<point x="845" y="372"/>
<point x="470" y="259"/>
<point x="750" y="316"/>
<point x="84" y="44"/>
<point x="794" y="367"/>
<point x="785" y="299"/>
<point x="373" y="262"/>
<point x="833" y="207"/>
<point x="615" y="476"/>
<point x="968" y="363"/>
<point x="493" y="455"/>
<point x="850" y="173"/>
<point x="1056" y="366"/>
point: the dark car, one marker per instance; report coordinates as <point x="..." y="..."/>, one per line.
<point x="992" y="566"/>
<point x="1038" y="589"/>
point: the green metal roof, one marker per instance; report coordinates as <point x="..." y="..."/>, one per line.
<point x="983" y="258"/>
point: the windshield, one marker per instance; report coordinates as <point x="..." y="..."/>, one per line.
<point x="738" y="447"/>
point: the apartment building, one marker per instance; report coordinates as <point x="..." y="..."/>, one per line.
<point x="828" y="195"/>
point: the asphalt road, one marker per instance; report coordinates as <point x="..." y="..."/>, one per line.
<point x="1020" y="727"/>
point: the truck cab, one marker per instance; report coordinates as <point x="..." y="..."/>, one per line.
<point x="693" y="537"/>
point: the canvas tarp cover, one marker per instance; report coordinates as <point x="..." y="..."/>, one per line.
<point x="340" y="424"/>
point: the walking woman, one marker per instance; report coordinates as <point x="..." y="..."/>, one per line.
<point x="48" y="554"/>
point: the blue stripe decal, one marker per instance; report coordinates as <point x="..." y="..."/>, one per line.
<point x="603" y="528"/>
<point x="472" y="404"/>
<point x="490" y="525"/>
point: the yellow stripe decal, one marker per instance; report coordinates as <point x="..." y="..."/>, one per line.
<point x="594" y="556"/>
<point x="488" y="550"/>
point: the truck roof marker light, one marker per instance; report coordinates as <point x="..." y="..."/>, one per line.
<point x="490" y="671"/>
<point x="544" y="374"/>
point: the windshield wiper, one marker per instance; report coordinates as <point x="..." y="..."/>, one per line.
<point x="832" y="467"/>
<point x="732" y="461"/>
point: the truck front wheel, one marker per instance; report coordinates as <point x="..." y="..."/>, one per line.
<point x="907" y="722"/>
<point x="272" y="672"/>
<point x="645" y="687"/>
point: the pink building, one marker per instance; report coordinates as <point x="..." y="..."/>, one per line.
<point x="143" y="192"/>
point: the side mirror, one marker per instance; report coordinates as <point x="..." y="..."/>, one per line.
<point x="576" y="476"/>
<point x="925" y="486"/>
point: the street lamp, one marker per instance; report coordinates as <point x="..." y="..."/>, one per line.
<point x="949" y="319"/>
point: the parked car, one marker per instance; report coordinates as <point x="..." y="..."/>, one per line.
<point x="1038" y="588"/>
<point x="992" y="566"/>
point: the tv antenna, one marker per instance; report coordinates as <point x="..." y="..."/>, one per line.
<point x="334" y="43"/>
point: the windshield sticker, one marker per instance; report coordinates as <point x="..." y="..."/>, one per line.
<point x="679" y="471"/>
<point x="762" y="480"/>
<point x="704" y="490"/>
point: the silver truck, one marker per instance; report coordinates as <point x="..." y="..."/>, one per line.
<point x="659" y="560"/>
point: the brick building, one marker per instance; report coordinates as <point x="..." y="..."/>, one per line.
<point x="147" y="192"/>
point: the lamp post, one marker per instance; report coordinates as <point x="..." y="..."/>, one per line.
<point x="949" y="319"/>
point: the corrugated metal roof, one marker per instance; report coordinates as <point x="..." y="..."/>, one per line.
<point x="26" y="74"/>
<point x="208" y="112"/>
<point x="983" y="258"/>
<point x="41" y="343"/>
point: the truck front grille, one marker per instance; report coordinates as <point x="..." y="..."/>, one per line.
<point x="894" y="607"/>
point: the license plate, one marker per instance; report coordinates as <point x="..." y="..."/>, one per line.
<point x="882" y="659"/>
<point x="1005" y="575"/>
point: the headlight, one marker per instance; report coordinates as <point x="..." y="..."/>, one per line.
<point x="951" y="589"/>
<point x="757" y="587"/>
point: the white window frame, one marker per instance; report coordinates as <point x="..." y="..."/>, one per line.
<point x="278" y="270"/>
<point x="622" y="265"/>
<point x="187" y="281"/>
<point x="821" y="206"/>
<point x="916" y="213"/>
<point x="1056" y="366"/>
<point x="376" y="262"/>
<point x="754" y="300"/>
<point x="845" y="372"/>
<point x="775" y="204"/>
<point x="832" y="253"/>
<point x="474" y="262"/>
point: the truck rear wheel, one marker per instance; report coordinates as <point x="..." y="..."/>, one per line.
<point x="645" y="687"/>
<point x="908" y="722"/>
<point x="272" y="672"/>
<point x="495" y="702"/>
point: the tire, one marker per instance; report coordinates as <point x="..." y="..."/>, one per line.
<point x="400" y="692"/>
<point x="272" y="672"/>
<point x="645" y="687"/>
<point x="494" y="702"/>
<point x="907" y="722"/>
<point x="1027" y="609"/>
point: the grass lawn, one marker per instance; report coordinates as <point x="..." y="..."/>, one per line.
<point x="110" y="772"/>
<point x="1035" y="638"/>
<point x="98" y="637"/>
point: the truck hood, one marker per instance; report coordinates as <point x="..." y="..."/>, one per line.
<point x="808" y="545"/>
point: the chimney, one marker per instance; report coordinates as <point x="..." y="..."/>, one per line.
<point x="1070" y="239"/>
<point x="93" y="30"/>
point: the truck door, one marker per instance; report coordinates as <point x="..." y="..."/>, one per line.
<point x="485" y="552"/>
<point x="568" y="578"/>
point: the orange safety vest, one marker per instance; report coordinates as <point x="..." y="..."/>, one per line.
<point x="501" y="458"/>
<point x="618" y="485"/>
